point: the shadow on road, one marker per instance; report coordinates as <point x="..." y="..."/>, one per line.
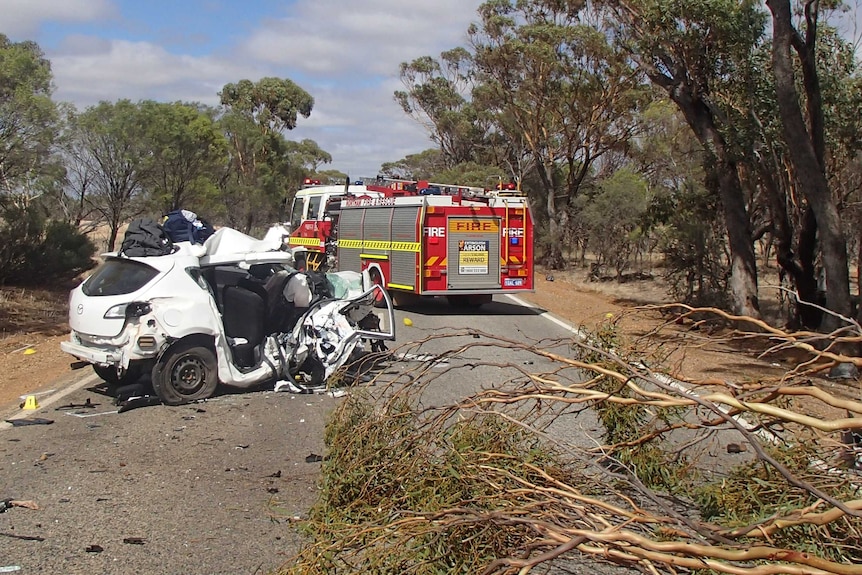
<point x="440" y="306"/>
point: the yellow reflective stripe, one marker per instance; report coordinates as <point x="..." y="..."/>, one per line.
<point x="379" y="245"/>
<point x="373" y="256"/>
<point x="431" y="261"/>
<point x="294" y="241"/>
<point x="405" y="246"/>
<point x="399" y="286"/>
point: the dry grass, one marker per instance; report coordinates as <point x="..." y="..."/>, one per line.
<point x="33" y="311"/>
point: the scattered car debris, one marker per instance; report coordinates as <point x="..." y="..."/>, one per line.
<point x="94" y="549"/>
<point x="10" y="568"/>
<point x="29" y="421"/>
<point x="86" y="405"/>
<point x="23" y="537"/>
<point x="136" y="402"/>
<point x="313" y="458"/>
<point x="134" y="540"/>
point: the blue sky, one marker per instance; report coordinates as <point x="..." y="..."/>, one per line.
<point x="345" y="53"/>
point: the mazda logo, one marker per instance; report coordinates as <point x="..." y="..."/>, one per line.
<point x="80" y="308"/>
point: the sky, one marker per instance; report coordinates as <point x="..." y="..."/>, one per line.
<point x="345" y="53"/>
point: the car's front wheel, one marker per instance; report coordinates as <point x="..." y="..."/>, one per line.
<point x="185" y="373"/>
<point x="115" y="377"/>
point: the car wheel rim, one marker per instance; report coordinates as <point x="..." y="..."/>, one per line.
<point x="188" y="375"/>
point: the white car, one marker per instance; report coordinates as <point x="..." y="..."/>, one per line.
<point x="232" y="311"/>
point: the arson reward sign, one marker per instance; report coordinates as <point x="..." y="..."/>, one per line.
<point x="473" y="257"/>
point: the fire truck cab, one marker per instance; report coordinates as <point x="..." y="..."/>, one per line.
<point x="419" y="238"/>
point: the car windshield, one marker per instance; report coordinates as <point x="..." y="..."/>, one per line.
<point x="118" y="277"/>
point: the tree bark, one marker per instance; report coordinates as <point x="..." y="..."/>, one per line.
<point x="807" y="169"/>
<point x="743" y="263"/>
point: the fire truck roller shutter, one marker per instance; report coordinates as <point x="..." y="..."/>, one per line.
<point x="405" y="246"/>
<point x="350" y="240"/>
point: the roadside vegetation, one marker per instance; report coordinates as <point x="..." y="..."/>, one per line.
<point x="708" y="478"/>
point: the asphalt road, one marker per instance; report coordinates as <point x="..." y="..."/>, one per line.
<point x="214" y="487"/>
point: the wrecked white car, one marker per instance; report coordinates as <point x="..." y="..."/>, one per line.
<point x="232" y="311"/>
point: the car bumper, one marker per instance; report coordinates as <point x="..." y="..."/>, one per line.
<point x="99" y="356"/>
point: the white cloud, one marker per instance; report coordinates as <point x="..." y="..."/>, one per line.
<point x="22" y="18"/>
<point x="88" y="70"/>
<point x="372" y="36"/>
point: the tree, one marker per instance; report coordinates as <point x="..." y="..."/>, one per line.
<point x="112" y="137"/>
<point x="187" y="150"/>
<point x="260" y="173"/>
<point x="687" y="49"/>
<point x="28" y="116"/>
<point x="436" y="96"/>
<point x="614" y="216"/>
<point x="557" y="84"/>
<point x="806" y="144"/>
<point x="415" y="166"/>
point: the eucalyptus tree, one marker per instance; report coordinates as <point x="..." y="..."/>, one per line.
<point x="550" y="75"/>
<point x="803" y="134"/>
<point x="187" y="150"/>
<point x="438" y="95"/>
<point x="28" y="116"/>
<point x="690" y="49"/>
<point x="259" y="173"/>
<point x="112" y="137"/>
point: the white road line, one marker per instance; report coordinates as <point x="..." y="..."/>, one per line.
<point x="550" y="317"/>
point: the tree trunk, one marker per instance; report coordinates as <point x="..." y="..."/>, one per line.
<point x="743" y="262"/>
<point x="800" y="267"/>
<point x="553" y="256"/>
<point x="807" y="168"/>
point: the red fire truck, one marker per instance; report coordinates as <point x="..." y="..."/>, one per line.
<point x="419" y="238"/>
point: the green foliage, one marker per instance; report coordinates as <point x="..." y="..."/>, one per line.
<point x="614" y="217"/>
<point x="415" y="166"/>
<point x="188" y="153"/>
<point x="28" y="116"/>
<point x="754" y="492"/>
<point x="36" y="251"/>
<point x="264" y="168"/>
<point x="694" y="249"/>
<point x="388" y="473"/>
<point x="273" y="103"/>
<point x="631" y="439"/>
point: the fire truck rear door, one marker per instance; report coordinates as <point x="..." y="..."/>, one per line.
<point x="473" y="253"/>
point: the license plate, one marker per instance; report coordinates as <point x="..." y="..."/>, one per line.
<point x="513" y="282"/>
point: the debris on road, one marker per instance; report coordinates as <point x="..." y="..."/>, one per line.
<point x="29" y="421"/>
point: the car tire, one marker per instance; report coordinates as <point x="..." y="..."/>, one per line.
<point x="111" y="377"/>
<point x="185" y="373"/>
